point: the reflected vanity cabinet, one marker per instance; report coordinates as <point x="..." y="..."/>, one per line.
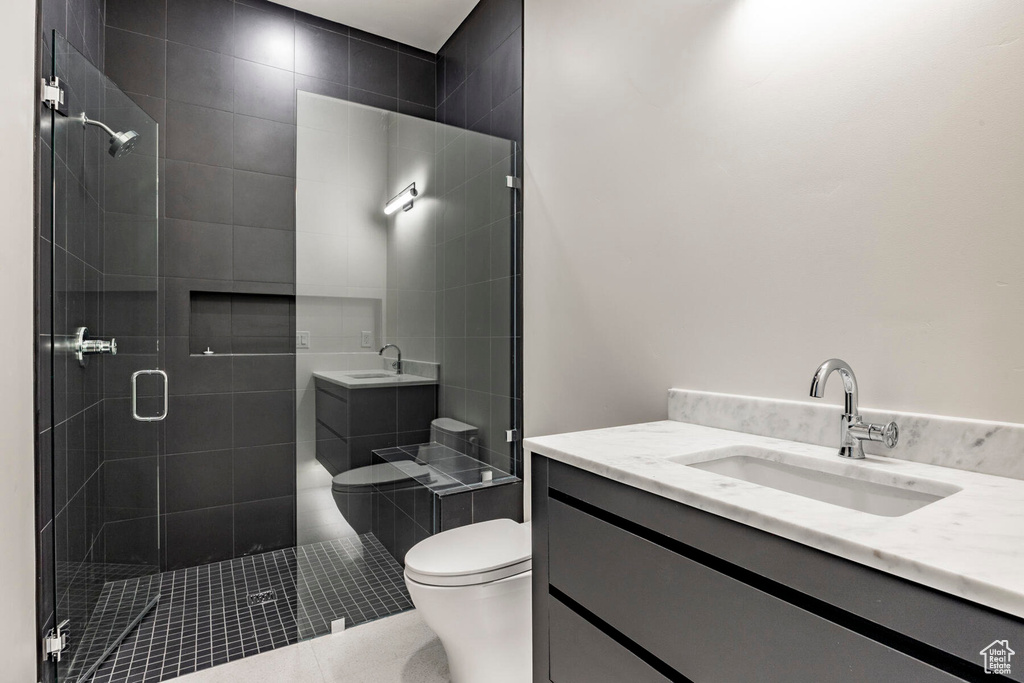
<point x="352" y="423"/>
<point x="629" y="586"/>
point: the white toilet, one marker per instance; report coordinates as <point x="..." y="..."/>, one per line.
<point x="472" y="588"/>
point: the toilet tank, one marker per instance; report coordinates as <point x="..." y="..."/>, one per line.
<point x="456" y="435"/>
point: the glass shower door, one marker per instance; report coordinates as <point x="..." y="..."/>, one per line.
<point x="105" y="327"/>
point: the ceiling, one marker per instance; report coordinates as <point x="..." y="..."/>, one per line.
<point x="425" y="24"/>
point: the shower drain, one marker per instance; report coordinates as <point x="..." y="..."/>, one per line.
<point x="262" y="597"/>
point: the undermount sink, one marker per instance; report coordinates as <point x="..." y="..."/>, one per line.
<point x="371" y="375"/>
<point x="849" y="489"/>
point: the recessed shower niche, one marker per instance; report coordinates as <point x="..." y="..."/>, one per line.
<point x="232" y="323"/>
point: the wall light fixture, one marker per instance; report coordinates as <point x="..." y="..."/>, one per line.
<point x="403" y="200"/>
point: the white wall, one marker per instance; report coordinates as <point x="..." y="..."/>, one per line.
<point x="17" y="561"/>
<point x="722" y="194"/>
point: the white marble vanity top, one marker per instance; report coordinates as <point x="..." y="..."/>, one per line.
<point x="970" y="544"/>
<point x="361" y="379"/>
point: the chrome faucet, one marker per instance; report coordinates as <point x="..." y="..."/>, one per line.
<point x="397" y="365"/>
<point x="853" y="431"/>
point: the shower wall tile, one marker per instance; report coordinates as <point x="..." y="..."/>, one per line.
<point x="198" y="193"/>
<point x="373" y="68"/>
<point x="264" y="92"/>
<point x="196" y="250"/>
<point x="264" y="418"/>
<point x="263" y="373"/>
<point x="264" y="525"/>
<point x="195" y="373"/>
<point x="417" y="110"/>
<point x="264" y="146"/>
<point x="322" y="53"/>
<point x="193" y="481"/>
<point x="261" y="200"/>
<point x="199" y="134"/>
<point x="263" y="255"/>
<point x="372" y="99"/>
<point x="207" y="24"/>
<point x="184" y="546"/>
<point x="200" y="77"/>
<point x="148" y="17"/>
<point x="416" y="79"/>
<point x="263" y="472"/>
<point x="265" y="37"/>
<point x="482" y="68"/>
<point x="137" y="62"/>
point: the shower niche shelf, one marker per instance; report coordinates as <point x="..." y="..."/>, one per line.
<point x="233" y="323"/>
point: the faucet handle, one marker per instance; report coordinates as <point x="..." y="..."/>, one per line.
<point x="891" y="434"/>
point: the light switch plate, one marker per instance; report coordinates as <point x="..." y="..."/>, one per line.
<point x="302" y="340"/>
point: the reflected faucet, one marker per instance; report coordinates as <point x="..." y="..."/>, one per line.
<point x="397" y="365"/>
<point x="852" y="431"/>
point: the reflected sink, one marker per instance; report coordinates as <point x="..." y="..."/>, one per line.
<point x="849" y="489"/>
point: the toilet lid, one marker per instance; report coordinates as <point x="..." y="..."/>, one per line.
<point x="472" y="554"/>
<point x="382" y="473"/>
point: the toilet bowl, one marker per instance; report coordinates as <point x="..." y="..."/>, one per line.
<point x="472" y="588"/>
<point x="353" y="490"/>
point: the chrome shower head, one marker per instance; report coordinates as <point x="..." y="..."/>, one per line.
<point x="121" y="144"/>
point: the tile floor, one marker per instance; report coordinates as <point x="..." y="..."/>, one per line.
<point x="206" y="617"/>
<point x="397" y="649"/>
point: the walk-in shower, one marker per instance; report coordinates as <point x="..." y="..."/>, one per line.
<point x="272" y="504"/>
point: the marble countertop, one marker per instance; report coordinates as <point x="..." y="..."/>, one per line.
<point x="363" y="379"/>
<point x="969" y="544"/>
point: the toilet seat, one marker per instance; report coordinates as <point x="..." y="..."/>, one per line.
<point x="471" y="555"/>
<point x="365" y="478"/>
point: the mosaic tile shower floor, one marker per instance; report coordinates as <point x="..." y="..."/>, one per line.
<point x="205" y="616"/>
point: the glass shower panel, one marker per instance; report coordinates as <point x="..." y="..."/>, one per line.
<point x="104" y="255"/>
<point x="383" y="461"/>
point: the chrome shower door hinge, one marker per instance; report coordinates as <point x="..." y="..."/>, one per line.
<point x="514" y="182"/>
<point x="53" y="94"/>
<point x="56" y="641"/>
<point x="511" y="435"/>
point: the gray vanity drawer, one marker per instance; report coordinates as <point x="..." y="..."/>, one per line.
<point x="333" y="412"/>
<point x="582" y="653"/>
<point x="701" y="623"/>
<point x="332" y="450"/>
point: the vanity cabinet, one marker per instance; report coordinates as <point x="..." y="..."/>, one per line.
<point x="630" y="586"/>
<point x="352" y="423"/>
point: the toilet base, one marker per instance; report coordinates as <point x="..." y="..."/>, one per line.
<point x="485" y="629"/>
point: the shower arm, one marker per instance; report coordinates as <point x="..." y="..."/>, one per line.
<point x="99" y="124"/>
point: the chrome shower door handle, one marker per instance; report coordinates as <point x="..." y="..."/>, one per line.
<point x="135" y="396"/>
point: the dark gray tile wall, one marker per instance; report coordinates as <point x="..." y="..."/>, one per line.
<point x="479" y="87"/>
<point x="482" y="505"/>
<point x="220" y="77"/>
<point x="247" y="326"/>
<point x="479" y="81"/>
